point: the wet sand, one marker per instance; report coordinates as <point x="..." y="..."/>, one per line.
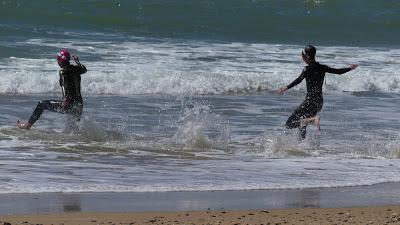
<point x="375" y="204"/>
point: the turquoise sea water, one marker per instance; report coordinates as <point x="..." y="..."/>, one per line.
<point x="324" y="22"/>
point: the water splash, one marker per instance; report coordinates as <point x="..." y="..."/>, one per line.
<point x="94" y="131"/>
<point x="199" y="128"/>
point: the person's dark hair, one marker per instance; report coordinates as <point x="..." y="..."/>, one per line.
<point x="310" y="51"/>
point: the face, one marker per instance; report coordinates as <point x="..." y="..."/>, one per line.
<point x="62" y="64"/>
<point x="305" y="59"/>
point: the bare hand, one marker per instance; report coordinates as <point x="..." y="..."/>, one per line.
<point x="353" y="66"/>
<point x="76" y="58"/>
<point x="281" y="90"/>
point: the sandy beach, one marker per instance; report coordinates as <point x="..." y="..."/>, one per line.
<point x="356" y="215"/>
<point x="375" y="204"/>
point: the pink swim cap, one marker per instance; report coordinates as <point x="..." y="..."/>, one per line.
<point x="63" y="57"/>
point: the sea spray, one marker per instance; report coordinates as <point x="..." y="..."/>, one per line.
<point x="199" y="128"/>
<point x="92" y="130"/>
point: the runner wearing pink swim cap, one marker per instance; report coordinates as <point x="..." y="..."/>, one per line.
<point x="70" y="82"/>
<point x="63" y="57"/>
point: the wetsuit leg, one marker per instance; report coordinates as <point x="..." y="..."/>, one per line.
<point x="295" y="119"/>
<point x="303" y="132"/>
<point x="309" y="108"/>
<point x="50" y="105"/>
<point x="74" y="115"/>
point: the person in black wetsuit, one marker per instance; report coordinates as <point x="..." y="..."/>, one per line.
<point x="314" y="73"/>
<point x="70" y="82"/>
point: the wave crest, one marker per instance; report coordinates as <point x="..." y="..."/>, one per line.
<point x="168" y="67"/>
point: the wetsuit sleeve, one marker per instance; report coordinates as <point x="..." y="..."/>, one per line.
<point x="298" y="80"/>
<point x="336" y="71"/>
<point x="79" y="69"/>
<point x="61" y="81"/>
<point x="82" y="69"/>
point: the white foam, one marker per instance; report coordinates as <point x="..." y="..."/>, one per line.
<point x="191" y="67"/>
<point x="275" y="174"/>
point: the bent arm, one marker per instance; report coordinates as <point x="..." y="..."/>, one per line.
<point x="80" y="69"/>
<point x="83" y="69"/>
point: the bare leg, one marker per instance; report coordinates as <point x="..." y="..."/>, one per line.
<point x="317" y="122"/>
<point x="301" y="117"/>
<point x="312" y="120"/>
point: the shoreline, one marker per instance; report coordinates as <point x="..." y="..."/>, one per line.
<point x="383" y="194"/>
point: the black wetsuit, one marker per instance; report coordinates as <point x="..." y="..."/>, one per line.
<point x="72" y="105"/>
<point x="314" y="73"/>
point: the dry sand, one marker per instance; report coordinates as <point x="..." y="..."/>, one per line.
<point x="357" y="215"/>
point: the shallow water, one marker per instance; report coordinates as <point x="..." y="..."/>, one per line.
<point x="169" y="143"/>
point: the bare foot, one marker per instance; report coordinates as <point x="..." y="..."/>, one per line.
<point x="25" y="126"/>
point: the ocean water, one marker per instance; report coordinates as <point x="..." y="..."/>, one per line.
<point x="180" y="95"/>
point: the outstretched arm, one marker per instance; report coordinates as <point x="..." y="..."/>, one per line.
<point x="340" y="71"/>
<point x="294" y="83"/>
